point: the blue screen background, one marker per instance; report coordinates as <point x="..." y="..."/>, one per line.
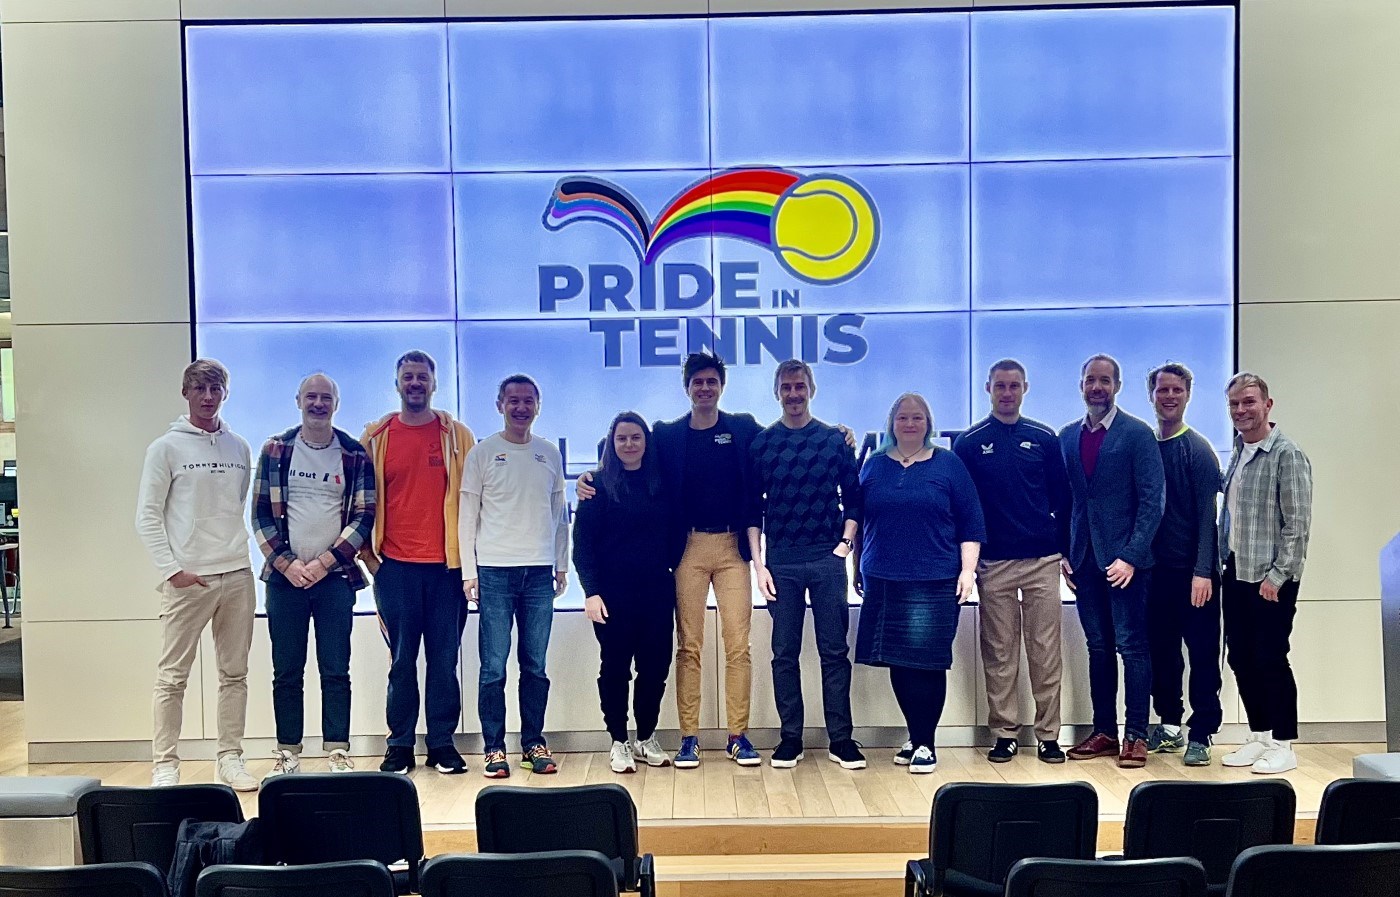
<point x="1049" y="184"/>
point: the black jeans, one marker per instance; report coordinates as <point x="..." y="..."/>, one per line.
<point x="825" y="582"/>
<point x="1256" y="641"/>
<point x="921" y="695"/>
<point x="1172" y="619"/>
<point x="640" y="629"/>
<point x="290" y="610"/>
<point x="422" y="604"/>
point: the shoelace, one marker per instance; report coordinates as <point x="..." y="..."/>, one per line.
<point x="537" y="752"/>
<point x="342" y="760"/>
<point x="281" y="764"/>
<point x="496" y="757"/>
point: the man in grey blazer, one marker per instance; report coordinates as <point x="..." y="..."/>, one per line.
<point x="1118" y="492"/>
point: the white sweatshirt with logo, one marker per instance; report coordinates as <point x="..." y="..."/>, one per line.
<point x="190" y="512"/>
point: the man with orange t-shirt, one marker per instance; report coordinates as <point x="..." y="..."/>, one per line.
<point x="418" y="455"/>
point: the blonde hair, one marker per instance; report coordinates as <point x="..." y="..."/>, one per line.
<point x="888" y="440"/>
<point x="204" y="371"/>
<point x="1245" y="379"/>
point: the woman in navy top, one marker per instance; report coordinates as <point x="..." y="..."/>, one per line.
<point x="920" y="539"/>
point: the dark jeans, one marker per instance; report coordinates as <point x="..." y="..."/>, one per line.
<point x="1116" y="620"/>
<point x="508" y="595"/>
<point x="1172" y="619"/>
<point x="1256" y="639"/>
<point x="825" y="582"/>
<point x="640" y="624"/>
<point x="422" y="603"/>
<point x="921" y="695"/>
<point x="290" y="610"/>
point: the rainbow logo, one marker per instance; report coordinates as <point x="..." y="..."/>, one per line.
<point x="822" y="228"/>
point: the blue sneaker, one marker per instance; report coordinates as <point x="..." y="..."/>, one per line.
<point x="740" y="751"/>
<point x="688" y="757"/>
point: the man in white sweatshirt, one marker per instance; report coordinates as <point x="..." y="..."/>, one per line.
<point x="190" y="515"/>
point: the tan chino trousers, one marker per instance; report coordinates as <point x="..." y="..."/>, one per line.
<point x="1005" y="623"/>
<point x="713" y="559"/>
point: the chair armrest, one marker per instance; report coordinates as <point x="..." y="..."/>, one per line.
<point x="916" y="880"/>
<point x="646" y="875"/>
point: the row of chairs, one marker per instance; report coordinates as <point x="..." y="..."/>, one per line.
<point x="980" y="832"/>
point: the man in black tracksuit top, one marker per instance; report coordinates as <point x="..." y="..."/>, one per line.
<point x="806" y="502"/>
<point x="1183" y="597"/>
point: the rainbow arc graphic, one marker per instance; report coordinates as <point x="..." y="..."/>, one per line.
<point x="822" y="228"/>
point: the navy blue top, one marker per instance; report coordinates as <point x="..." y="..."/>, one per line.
<point x="1020" y="476"/>
<point x="916" y="517"/>
<point x="1116" y="511"/>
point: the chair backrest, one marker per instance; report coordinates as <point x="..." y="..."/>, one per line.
<point x="1211" y="821"/>
<point x="979" y="831"/>
<point x="552" y="873"/>
<point x="100" y="880"/>
<point x="1350" y="870"/>
<point x="328" y="817"/>
<point x="118" y="825"/>
<point x="1359" y="811"/>
<point x="1178" y="877"/>
<point x="351" y="878"/>
<point x="601" y="818"/>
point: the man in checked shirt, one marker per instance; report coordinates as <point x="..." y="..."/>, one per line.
<point x="1264" y="541"/>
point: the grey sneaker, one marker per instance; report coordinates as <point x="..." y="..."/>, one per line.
<point x="165" y="775"/>
<point x="288" y="763"/>
<point x="1160" y="741"/>
<point x="233" y="772"/>
<point x="1197" y="754"/>
<point x="649" y="752"/>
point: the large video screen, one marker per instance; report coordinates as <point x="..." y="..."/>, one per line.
<point x="899" y="199"/>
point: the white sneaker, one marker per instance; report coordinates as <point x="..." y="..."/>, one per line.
<point x="341" y="762"/>
<point x="650" y="752"/>
<point x="1275" y="760"/>
<point x="620" y="757"/>
<point x="287" y="764"/>
<point x="1249" y="752"/>
<point x="164" y="775"/>
<point x="923" y="761"/>
<point x="233" y="772"/>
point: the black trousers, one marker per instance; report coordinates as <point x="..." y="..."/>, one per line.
<point x="1256" y="642"/>
<point x="639" y="630"/>
<point x="1171" y="620"/>
<point x="921" y="695"/>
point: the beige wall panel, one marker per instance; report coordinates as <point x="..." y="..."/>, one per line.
<point x="88" y="10"/>
<point x="1337" y="661"/>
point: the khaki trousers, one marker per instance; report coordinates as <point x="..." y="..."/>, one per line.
<point x="227" y="603"/>
<point x="713" y="559"/>
<point x="1005" y="622"/>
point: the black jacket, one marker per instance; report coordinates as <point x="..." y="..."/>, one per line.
<point x="670" y="438"/>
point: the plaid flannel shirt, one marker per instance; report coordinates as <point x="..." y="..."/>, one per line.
<point x="1274" y="511"/>
<point x="270" y="506"/>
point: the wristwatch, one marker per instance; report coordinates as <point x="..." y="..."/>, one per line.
<point x="849" y="544"/>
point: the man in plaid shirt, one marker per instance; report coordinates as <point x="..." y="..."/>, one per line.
<point x="313" y="510"/>
<point x="1264" y="541"/>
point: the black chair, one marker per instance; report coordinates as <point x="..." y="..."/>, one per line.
<point x="120" y="825"/>
<point x="1346" y="870"/>
<point x="352" y="878"/>
<point x="1179" y="877"/>
<point x="551" y="873"/>
<point x="601" y="818"/>
<point x="101" y="880"/>
<point x="1210" y="821"/>
<point x="329" y="817"/>
<point x="1359" y="811"/>
<point x="979" y="832"/>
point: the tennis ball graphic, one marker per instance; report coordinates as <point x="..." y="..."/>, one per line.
<point x="825" y="229"/>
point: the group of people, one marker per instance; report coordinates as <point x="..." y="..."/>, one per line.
<point x="714" y="501"/>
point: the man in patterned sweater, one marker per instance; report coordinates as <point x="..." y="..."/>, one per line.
<point x="807" y="505"/>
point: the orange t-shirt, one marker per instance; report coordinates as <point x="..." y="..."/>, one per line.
<point x="415" y="486"/>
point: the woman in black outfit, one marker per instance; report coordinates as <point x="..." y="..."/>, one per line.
<point x="625" y="566"/>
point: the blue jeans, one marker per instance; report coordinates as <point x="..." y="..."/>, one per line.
<point x="509" y="595"/>
<point x="1116" y="620"/>
<point x="422" y="603"/>
<point x="290" y="610"/>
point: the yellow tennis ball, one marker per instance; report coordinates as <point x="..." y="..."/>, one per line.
<point x="825" y="229"/>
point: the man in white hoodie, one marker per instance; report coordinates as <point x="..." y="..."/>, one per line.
<point x="190" y="515"/>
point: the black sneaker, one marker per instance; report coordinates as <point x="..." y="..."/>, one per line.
<point x="1050" y="752"/>
<point x="447" y="761"/>
<point x="398" y="759"/>
<point x="786" y="755"/>
<point x="847" y="753"/>
<point x="1003" y="750"/>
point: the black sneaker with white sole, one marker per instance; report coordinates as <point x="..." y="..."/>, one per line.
<point x="398" y="759"/>
<point x="786" y="755"/>
<point x="847" y="753"/>
<point x="447" y="761"/>
<point x="904" y="755"/>
<point x="1050" y="752"/>
<point x="1003" y="751"/>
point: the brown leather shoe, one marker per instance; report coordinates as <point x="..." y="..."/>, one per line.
<point x="1096" y="745"/>
<point x="1134" y="754"/>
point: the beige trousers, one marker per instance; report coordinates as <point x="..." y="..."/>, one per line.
<point x="1005" y="622"/>
<point x="227" y="603"/>
<point x="713" y="559"/>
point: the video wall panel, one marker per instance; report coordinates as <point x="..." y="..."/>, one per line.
<point x="899" y="199"/>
